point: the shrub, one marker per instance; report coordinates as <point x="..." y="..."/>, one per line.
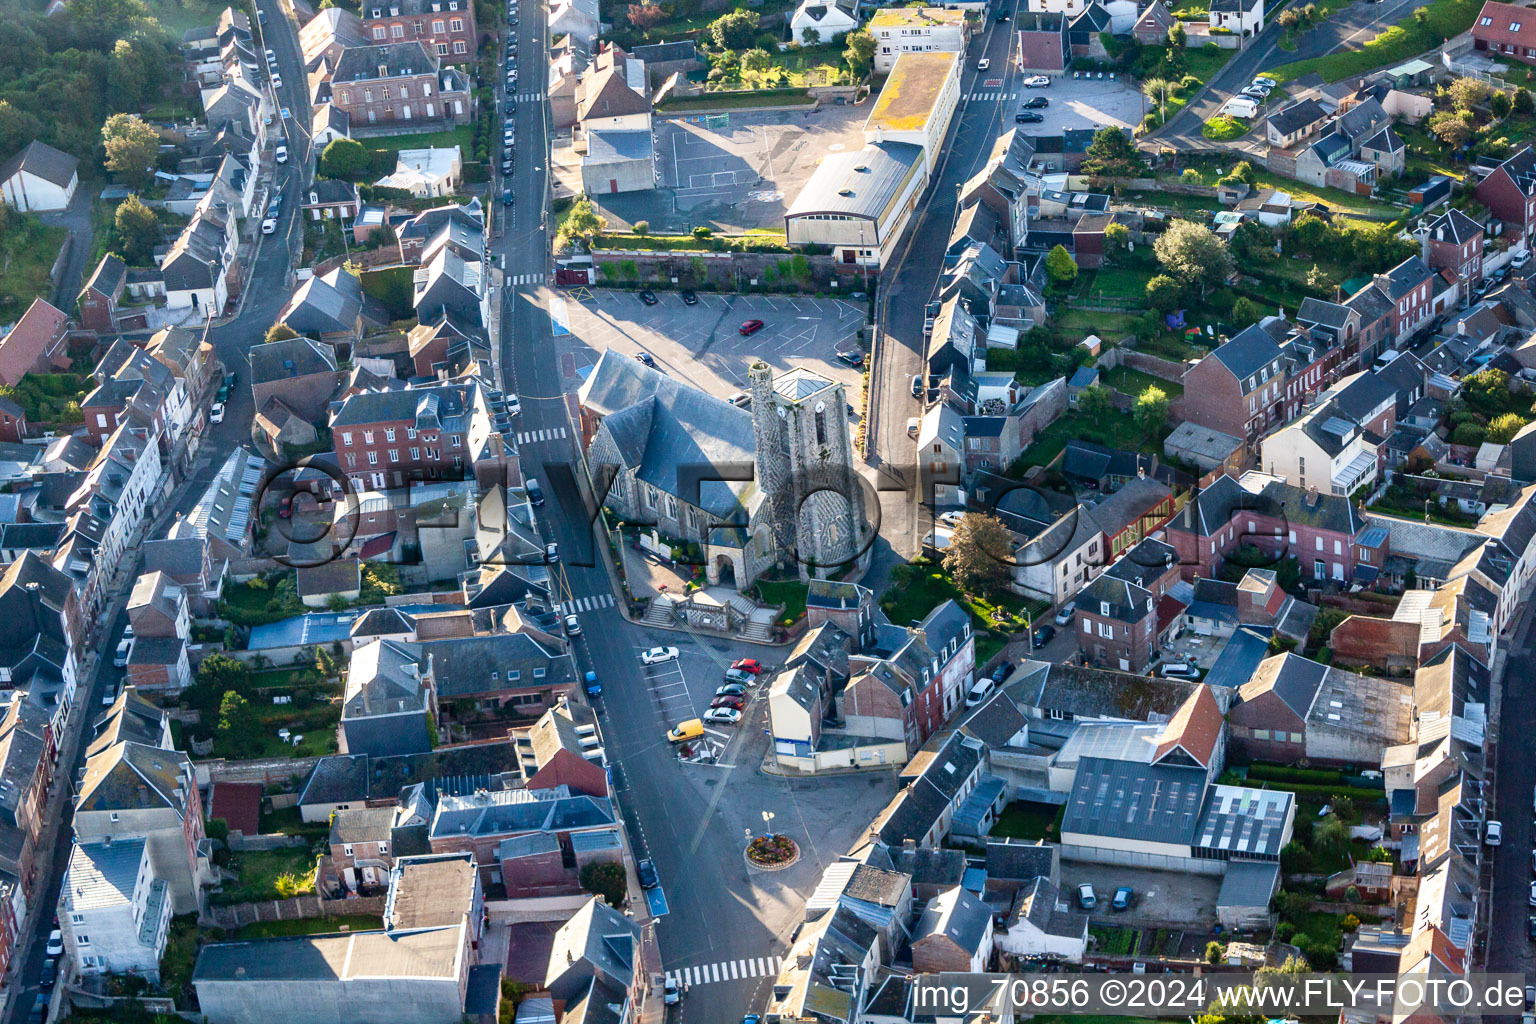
<point x="1285" y="931"/>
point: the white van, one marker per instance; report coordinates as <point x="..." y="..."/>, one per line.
<point x="1240" y="106"/>
<point x="979" y="692"/>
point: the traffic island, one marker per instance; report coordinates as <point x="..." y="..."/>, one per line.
<point x="772" y="853"/>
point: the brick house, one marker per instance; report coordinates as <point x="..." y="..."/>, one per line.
<point x="1239" y="388"/>
<point x="13" y="421"/>
<point x="1507" y="30"/>
<point x="386" y="438"/>
<point x="1453" y="241"/>
<point x="300" y="372"/>
<point x="1510" y="191"/>
<point x="954" y="934"/>
<point x="97" y="306"/>
<point x="1132" y="513"/>
<point x="1294" y="709"/>
<point x="1118" y="620"/>
<point x="482" y="823"/>
<point x="498" y="673"/>
<point x="1375" y="313"/>
<point x="1411" y="287"/>
<point x="362" y="846"/>
<point x="445" y="27"/>
<point x="910" y="681"/>
<point x="398" y="84"/>
<point x="35" y="344"/>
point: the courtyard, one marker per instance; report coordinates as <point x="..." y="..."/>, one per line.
<point x="1080" y="103"/>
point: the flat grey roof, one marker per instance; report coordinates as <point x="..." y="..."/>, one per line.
<point x="429" y="954"/>
<point x="872" y="178"/>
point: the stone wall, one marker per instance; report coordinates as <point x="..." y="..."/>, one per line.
<point x="238" y="915"/>
<point x="266" y="772"/>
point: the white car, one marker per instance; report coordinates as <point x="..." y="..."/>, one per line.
<point x="951" y="518"/>
<point x="740" y="399"/>
<point x="1493" y="833"/>
<point x="277" y="80"/>
<point x="56" y="941"/>
<point x="271" y="57"/>
<point x="1064" y="616"/>
<point x="216" y="413"/>
<point x="658" y="655"/>
<point x="124" y="652"/>
<point x="983" y="64"/>
<point x="1521" y="259"/>
<point x="1533" y="894"/>
<point x="269" y="226"/>
<point x="978" y="692"/>
<point x="282" y="154"/>
<point x="109" y="696"/>
<point x="722" y="716"/>
<point x="1037" y="82"/>
<point x="572" y="626"/>
<point x="1265" y="80"/>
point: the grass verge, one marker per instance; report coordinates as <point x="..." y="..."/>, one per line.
<point x="1410" y="37"/>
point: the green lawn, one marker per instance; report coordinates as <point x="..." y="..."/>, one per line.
<point x="461" y="136"/>
<point x="27" y="251"/>
<point x="1446" y="18"/>
<point x="181" y="15"/>
<point x="1117" y="432"/>
<point x="1224" y="129"/>
<point x="1025" y="819"/>
<point x="259" y="873"/>
<point x="290" y="822"/>
<point x="1114" y="941"/>
<point x="790" y="593"/>
<point x="309" y="926"/>
<point x="918" y="588"/>
<point x="259" y="602"/>
<point x="1114" y="283"/>
<point x="1134" y="382"/>
<point x="315" y="721"/>
<point x="1335" y="199"/>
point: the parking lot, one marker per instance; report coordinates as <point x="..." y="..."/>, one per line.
<point x="1079" y="103"/>
<point x="735" y="172"/>
<point x="1162" y="897"/>
<point x="701" y="343"/>
<point x="683" y="688"/>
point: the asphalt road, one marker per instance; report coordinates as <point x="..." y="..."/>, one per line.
<point x="1508" y="947"/>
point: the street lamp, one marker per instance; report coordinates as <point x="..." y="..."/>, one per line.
<point x="768" y="817"/>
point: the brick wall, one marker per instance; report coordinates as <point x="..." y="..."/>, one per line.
<point x="449" y="34"/>
<point x="937" y="953"/>
<point x="1366" y="640"/>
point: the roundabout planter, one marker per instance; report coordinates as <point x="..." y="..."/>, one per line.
<point x="772" y="853"/>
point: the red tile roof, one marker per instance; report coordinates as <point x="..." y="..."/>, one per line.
<point x="239" y="804"/>
<point x="1196" y="727"/>
<point x="31" y="341"/>
<point x="1507" y="24"/>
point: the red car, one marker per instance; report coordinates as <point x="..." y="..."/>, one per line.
<point x="750" y="327"/>
<point x="751" y="665"/>
<point x="734" y="703"/>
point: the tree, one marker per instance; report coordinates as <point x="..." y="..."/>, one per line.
<point x="127" y="77"/>
<point x="1504" y="428"/>
<point x="1094" y="403"/>
<point x="1243" y="172"/>
<point x="734" y="30"/>
<point x="1117" y="236"/>
<point x="1112" y="153"/>
<point x="1522" y="104"/>
<point x="1191" y="176"/>
<point x="1309" y="234"/>
<point x="1467" y="93"/>
<point x="756" y="60"/>
<point x="1317" y="280"/>
<point x="645" y="17"/>
<point x="1450" y="128"/>
<point x="979" y="556"/>
<point x="1191" y="253"/>
<point x="1500" y="104"/>
<point x="1469" y="434"/>
<point x="138" y="231"/>
<point x="605" y="879"/>
<point x="1245" y="312"/>
<point x="98" y="22"/>
<point x="1330" y="838"/>
<point x="132" y="147"/>
<point x="1486" y="391"/>
<point x="583" y="224"/>
<point x="220" y="673"/>
<point x="236" y="720"/>
<point x="1158" y="90"/>
<point x="810" y="36"/>
<point x="1164" y="293"/>
<point x="344" y="158"/>
<point x="859" y="53"/>
<point x="1215" y="953"/>
<point x="1289" y="18"/>
<point x="1060" y="265"/>
<point x="280" y="332"/>
<point x="1176" y="34"/>
<point x="1151" y="411"/>
<point x="1379" y="854"/>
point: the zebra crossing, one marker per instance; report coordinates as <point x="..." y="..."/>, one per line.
<point x="978" y="97"/>
<point x="726" y="970"/>
<point x="584" y="604"/>
<point x="517" y="279"/>
<point x="529" y="97"/>
<point x="551" y="434"/>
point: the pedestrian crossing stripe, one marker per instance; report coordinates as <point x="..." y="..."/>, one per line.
<point x="585" y="604"/>
<point x="726" y="970"/>
<point x="530" y="436"/>
<point x="529" y="97"/>
<point x="989" y="96"/>
<point x="527" y="279"/>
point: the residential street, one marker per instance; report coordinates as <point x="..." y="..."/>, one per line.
<point x="1509" y="948"/>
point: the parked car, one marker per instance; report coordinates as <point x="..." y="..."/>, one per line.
<point x="269" y="225"/>
<point x="216" y="413"/>
<point x="736" y="675"/>
<point x="506" y="197"/>
<point x="50" y="972"/>
<point x="271" y="57"/>
<point x="572" y="626"/>
<point x="684" y="731"/>
<point x="1037" y="82"/>
<point x="731" y="690"/>
<point x="551" y="553"/>
<point x="951" y="519"/>
<point x="1064" y="616"/>
<point x="751" y="665"/>
<point x="1178" y="670"/>
<point x="277" y="83"/>
<point x="648" y="297"/>
<point x="750" y="327"/>
<point x="1043" y="635"/>
<point x="1085" y="897"/>
<point x="722" y="716"/>
<point x="657" y="655"/>
<point x="983" y="64"/>
<point x="1001" y="673"/>
<point x="55" y="943"/>
<point x="1521" y="259"/>
<point x="1036" y="103"/>
<point x="740" y="400"/>
<point x="671" y="995"/>
<point x="1530" y="928"/>
<point x="854" y="358"/>
<point x="108" y="696"/>
<point x="285" y="507"/>
<point x="689" y="298"/>
<point x="1533" y="894"/>
<point x="646" y="869"/>
<point x="1265" y="80"/>
<point x="282" y="151"/>
<point x="1027" y="117"/>
<point x="645" y="357"/>
<point x="1122" y="898"/>
<point x="1493" y="833"/>
<point x="979" y="692"/>
<point x="728" y="701"/>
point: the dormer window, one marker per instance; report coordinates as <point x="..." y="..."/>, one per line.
<point x="1103" y="607"/>
<point x="377" y="12"/>
<point x="383" y="70"/>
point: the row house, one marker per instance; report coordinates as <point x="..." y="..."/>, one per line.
<point x="530" y="841"/>
<point x="1239" y="388"/>
<point x="131" y="385"/>
<point x="1124" y="613"/>
<point x="99" y="307"/>
<point x="1413" y="289"/>
<point x="396" y="84"/>
<point x="121" y="485"/>
<point x="28" y="755"/>
<point x="386" y="438"/>
<point x="1343" y="458"/>
<point x="1454" y="242"/>
<point x="445" y="27"/>
<point x="1510" y="191"/>
<point x="1314" y="358"/>
<point x="195" y="270"/>
<point x="907" y="684"/>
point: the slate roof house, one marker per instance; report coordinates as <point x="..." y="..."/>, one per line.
<point x="1238" y="388"/>
<point x="39" y="178"/>
<point x="1294" y="709"/>
<point x="299" y="372"/>
<point x="389" y="702"/>
<point x="328" y="307"/>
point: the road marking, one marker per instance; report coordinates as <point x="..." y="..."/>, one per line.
<point x="531" y="436"/>
<point x="725" y="970"/>
<point x="590" y="603"/>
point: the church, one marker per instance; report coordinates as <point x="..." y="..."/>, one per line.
<point x="772" y="486"/>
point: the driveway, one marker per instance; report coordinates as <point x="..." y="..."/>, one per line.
<point x="77" y="220"/>
<point x="1080" y="103"/>
<point x="1162" y="897"/>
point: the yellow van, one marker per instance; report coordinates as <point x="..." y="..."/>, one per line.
<point x="689" y="730"/>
